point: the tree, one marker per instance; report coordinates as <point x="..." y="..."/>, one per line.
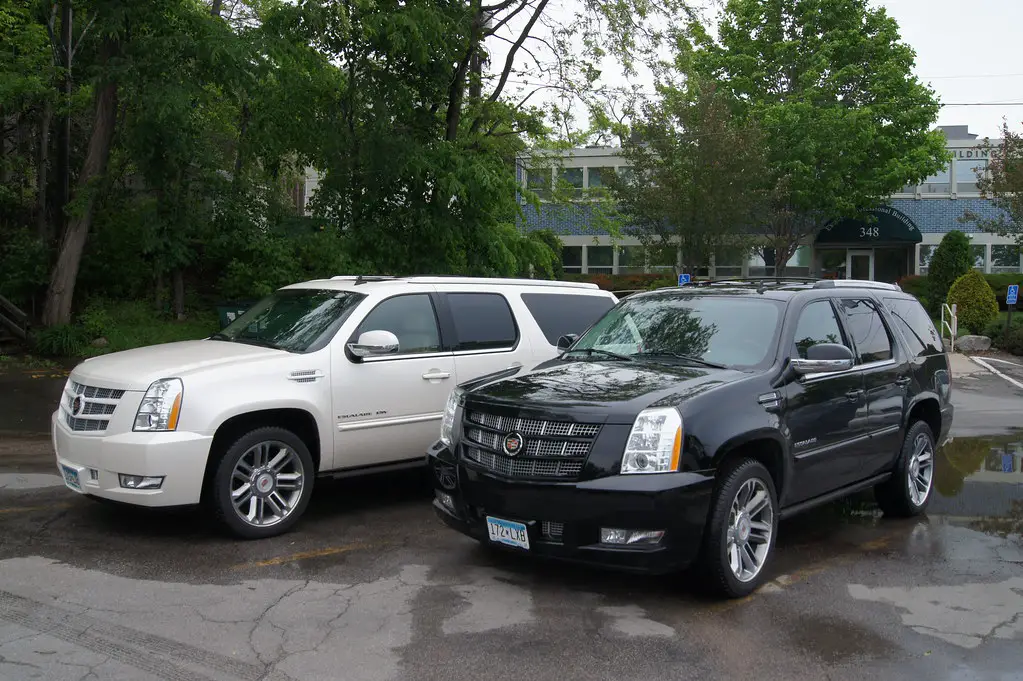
<point x="976" y="305"/>
<point x="693" y="179"/>
<point x="831" y="84"/>
<point x="951" y="260"/>
<point x="1003" y="185"/>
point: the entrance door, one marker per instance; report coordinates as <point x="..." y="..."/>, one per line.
<point x="860" y="265"/>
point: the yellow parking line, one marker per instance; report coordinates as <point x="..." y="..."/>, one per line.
<point x="317" y="553"/>
<point x="28" y="509"/>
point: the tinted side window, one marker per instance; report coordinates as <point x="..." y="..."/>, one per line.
<point x="410" y="318"/>
<point x="483" y="321"/>
<point x="558" y="314"/>
<point x="817" y="324"/>
<point x="869" y="333"/>
<point x="916" y="327"/>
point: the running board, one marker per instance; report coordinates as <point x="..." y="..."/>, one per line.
<point x="796" y="509"/>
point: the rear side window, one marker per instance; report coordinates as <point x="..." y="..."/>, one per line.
<point x="483" y="321"/>
<point x="560" y="314"/>
<point x="869" y="334"/>
<point x="916" y="327"/>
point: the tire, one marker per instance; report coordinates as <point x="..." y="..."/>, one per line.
<point x="720" y="555"/>
<point x="894" y="495"/>
<point x="273" y="507"/>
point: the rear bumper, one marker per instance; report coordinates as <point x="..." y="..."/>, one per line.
<point x="675" y="503"/>
<point x="178" y="457"/>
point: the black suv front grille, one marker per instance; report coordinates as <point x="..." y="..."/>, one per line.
<point x="551" y="450"/>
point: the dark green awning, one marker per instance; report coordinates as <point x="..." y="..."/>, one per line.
<point x="880" y="225"/>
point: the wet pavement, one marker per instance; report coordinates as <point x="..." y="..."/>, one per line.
<point x="371" y="586"/>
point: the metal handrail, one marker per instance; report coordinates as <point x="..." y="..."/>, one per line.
<point x="13" y="319"/>
<point x="952" y="324"/>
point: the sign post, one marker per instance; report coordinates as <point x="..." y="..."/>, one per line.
<point x="1010" y="301"/>
<point x="684" y="279"/>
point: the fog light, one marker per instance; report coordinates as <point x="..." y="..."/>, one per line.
<point x="446" y="500"/>
<point x="140" y="482"/>
<point x="611" y="535"/>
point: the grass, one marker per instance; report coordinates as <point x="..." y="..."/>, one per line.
<point x="9" y="363"/>
<point x="133" y="325"/>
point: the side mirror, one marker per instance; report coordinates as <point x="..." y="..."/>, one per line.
<point x="823" y="358"/>
<point x="373" y="343"/>
<point x="566" y="341"/>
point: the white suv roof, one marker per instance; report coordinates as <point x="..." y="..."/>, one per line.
<point x="348" y="281"/>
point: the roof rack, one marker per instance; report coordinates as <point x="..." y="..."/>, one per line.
<point x="856" y="283"/>
<point x="364" y="278"/>
<point x="455" y="279"/>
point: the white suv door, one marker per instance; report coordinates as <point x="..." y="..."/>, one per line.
<point x="388" y="408"/>
<point x="484" y="332"/>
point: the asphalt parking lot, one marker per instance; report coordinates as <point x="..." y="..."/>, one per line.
<point x="371" y="586"/>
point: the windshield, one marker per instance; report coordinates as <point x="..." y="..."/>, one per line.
<point x="732" y="331"/>
<point x="296" y="320"/>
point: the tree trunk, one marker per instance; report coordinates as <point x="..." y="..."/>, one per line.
<point x="64" y="139"/>
<point x="65" y="272"/>
<point x="178" y="278"/>
<point x="43" y="227"/>
<point x="215" y="9"/>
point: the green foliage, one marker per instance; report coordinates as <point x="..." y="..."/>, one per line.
<point x="556" y="246"/>
<point x="626" y="282"/>
<point x="134" y="324"/>
<point x="915" y="285"/>
<point x="1011" y="342"/>
<point x="975" y="302"/>
<point x="23" y="265"/>
<point x="951" y="260"/>
<point x="831" y="84"/>
<point x="1002" y="183"/>
<point x="61" y="340"/>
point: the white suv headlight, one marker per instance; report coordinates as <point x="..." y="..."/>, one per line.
<point x="655" y="443"/>
<point x="447" y="425"/>
<point x="161" y="406"/>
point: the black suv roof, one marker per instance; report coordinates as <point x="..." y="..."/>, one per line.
<point x="776" y="287"/>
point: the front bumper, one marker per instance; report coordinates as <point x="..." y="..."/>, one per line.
<point x="676" y="503"/>
<point x="178" y="457"/>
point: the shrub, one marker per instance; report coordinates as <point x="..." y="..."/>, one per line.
<point x="63" y="340"/>
<point x="1011" y="342"/>
<point x="975" y="301"/>
<point x="915" y="285"/>
<point x="950" y="261"/>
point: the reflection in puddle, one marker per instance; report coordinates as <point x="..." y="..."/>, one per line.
<point x="980" y="480"/>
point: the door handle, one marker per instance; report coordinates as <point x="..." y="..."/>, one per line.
<point x="854" y="395"/>
<point x="436" y="375"/>
<point x="903" y="381"/>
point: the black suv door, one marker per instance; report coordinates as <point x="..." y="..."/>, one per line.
<point x="826" y="414"/>
<point x="887" y="375"/>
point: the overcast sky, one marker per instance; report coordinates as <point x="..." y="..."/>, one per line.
<point x="969" y="52"/>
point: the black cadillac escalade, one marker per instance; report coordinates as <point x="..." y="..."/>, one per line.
<point x="686" y="422"/>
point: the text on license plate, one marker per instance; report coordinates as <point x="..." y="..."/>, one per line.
<point x="71" y="477"/>
<point x="508" y="532"/>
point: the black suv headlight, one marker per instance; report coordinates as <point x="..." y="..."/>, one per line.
<point x="655" y="443"/>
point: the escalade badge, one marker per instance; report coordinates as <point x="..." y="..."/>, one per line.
<point x="76" y="406"/>
<point x="512" y="444"/>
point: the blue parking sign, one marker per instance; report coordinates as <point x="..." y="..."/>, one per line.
<point x="1013" y="293"/>
<point x="684" y="279"/>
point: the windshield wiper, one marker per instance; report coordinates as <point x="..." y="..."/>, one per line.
<point x="221" y="336"/>
<point x="678" y="355"/>
<point x="257" y="341"/>
<point x="598" y="351"/>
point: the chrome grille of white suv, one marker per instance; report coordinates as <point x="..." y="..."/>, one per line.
<point x="97" y="405"/>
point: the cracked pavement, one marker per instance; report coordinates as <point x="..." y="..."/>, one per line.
<point x="370" y="586"/>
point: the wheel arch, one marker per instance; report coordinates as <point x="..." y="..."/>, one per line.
<point x="925" y="407"/>
<point x="766" y="446"/>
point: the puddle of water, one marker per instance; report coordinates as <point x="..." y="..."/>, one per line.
<point x="29" y="480"/>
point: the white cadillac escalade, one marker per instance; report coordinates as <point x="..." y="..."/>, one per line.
<point x="340" y="377"/>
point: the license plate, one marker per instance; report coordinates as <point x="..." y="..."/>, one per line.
<point x="71" y="478"/>
<point x="508" y="532"/>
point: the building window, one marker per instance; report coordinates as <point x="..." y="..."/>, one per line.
<point x="600" y="259"/>
<point x="571" y="180"/>
<point x="539" y="181"/>
<point x="631" y="260"/>
<point x="572" y="259"/>
<point x="968" y="171"/>
<point x="939" y="183"/>
<point x="1005" y="259"/>
<point x="926" y="253"/>
<point x="599" y="176"/>
<point x="728" y="262"/>
<point x="979" y="255"/>
<point x="762" y="263"/>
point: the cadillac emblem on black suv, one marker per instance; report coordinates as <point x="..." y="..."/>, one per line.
<point x="512" y="444"/>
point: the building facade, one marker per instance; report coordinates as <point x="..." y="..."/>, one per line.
<point x="898" y="241"/>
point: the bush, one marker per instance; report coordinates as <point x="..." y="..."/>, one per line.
<point x="1011" y="342"/>
<point x="626" y="282"/>
<point x="950" y="261"/>
<point x="62" y="340"/>
<point x="915" y="285"/>
<point x="974" y="300"/>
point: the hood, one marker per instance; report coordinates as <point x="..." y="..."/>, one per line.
<point x="604" y="389"/>
<point x="137" y="369"/>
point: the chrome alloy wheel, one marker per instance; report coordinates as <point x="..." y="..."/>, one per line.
<point x="750" y="525"/>
<point x="920" y="471"/>
<point x="266" y="484"/>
